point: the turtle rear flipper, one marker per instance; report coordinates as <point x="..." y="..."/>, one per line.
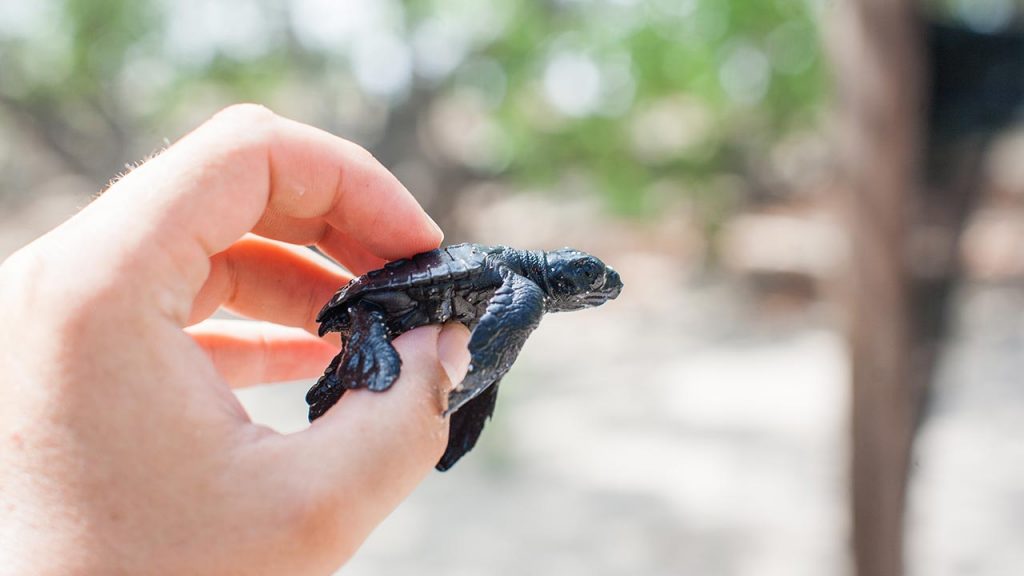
<point x="367" y="361"/>
<point x="466" y="426"/>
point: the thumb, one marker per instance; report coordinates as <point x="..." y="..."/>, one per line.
<point x="371" y="449"/>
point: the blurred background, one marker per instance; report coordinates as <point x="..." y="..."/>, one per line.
<point x="815" y="206"/>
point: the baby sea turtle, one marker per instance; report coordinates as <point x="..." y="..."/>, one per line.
<point x="499" y="293"/>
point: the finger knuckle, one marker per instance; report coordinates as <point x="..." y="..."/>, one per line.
<point x="239" y="136"/>
<point x="246" y="115"/>
<point x="16" y="264"/>
<point x="22" y="275"/>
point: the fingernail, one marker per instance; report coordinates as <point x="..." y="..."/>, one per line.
<point x="436" y="227"/>
<point x="453" y="351"/>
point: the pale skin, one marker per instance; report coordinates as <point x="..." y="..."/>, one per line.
<point x="122" y="448"/>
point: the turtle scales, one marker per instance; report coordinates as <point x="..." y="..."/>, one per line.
<point x="499" y="293"/>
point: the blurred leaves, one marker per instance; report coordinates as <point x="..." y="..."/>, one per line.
<point x="614" y="97"/>
<point x="662" y="89"/>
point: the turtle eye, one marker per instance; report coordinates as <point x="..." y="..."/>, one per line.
<point x="590" y="272"/>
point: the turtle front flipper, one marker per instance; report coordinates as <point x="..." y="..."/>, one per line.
<point x="367" y="361"/>
<point x="512" y="314"/>
<point x="466" y="426"/>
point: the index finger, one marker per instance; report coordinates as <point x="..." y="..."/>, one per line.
<point x="246" y="169"/>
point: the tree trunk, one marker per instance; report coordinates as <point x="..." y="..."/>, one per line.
<point x="879" y="51"/>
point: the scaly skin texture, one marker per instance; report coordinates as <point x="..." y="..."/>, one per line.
<point x="498" y="292"/>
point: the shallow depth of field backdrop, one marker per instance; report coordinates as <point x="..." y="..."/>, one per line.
<point x="697" y="425"/>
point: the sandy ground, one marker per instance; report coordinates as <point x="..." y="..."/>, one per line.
<point x="689" y="438"/>
<point x="680" y="431"/>
<point x="967" y="496"/>
<point x="636" y="439"/>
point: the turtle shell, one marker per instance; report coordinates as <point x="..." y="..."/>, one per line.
<point x="426" y="269"/>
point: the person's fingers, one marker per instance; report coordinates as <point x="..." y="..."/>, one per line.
<point x="269" y="280"/>
<point x="371" y="449"/>
<point x="453" y="352"/>
<point x="166" y="218"/>
<point x="357" y="258"/>
<point x="247" y="353"/>
<point x="340" y="246"/>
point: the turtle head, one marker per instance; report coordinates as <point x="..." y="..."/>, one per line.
<point x="577" y="280"/>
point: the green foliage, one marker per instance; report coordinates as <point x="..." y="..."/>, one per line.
<point x="688" y="63"/>
<point x="622" y="94"/>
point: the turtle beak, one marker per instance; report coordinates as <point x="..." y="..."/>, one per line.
<point x="612" y="286"/>
<point x="609" y="290"/>
<point x="612" y="283"/>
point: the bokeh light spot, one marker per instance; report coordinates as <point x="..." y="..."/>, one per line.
<point x="572" y="84"/>
<point x="745" y="75"/>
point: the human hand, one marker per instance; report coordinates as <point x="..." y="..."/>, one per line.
<point x="122" y="448"/>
